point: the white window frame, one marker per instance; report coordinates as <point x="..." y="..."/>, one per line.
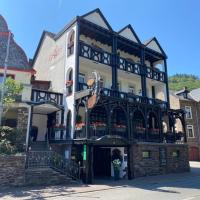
<point x="191" y="128"/>
<point x="133" y="88"/>
<point x="190" y="110"/>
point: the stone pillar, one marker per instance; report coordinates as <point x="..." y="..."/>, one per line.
<point x="22" y="121"/>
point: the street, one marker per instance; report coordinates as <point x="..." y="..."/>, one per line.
<point x="185" y="186"/>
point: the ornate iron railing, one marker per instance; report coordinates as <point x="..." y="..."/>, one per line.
<point x="43" y="159"/>
<point x="95" y="54"/>
<point x="43" y="95"/>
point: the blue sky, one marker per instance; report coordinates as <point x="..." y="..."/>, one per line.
<point x="175" y="23"/>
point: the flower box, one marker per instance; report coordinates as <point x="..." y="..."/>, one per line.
<point x="120" y="127"/>
<point x="140" y="129"/>
<point x="79" y="126"/>
<point x="154" y="131"/>
<point x="59" y="127"/>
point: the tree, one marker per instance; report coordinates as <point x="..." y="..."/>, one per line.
<point x="12" y="91"/>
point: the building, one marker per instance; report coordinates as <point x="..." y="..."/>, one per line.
<point x="20" y="70"/>
<point x="129" y="113"/>
<point x="189" y="101"/>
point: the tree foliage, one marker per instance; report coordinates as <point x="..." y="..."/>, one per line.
<point x="179" y="81"/>
<point x="12" y="91"/>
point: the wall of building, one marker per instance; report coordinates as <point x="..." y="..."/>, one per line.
<point x="40" y="121"/>
<point x="152" y="166"/>
<point x="12" y="170"/>
<point x="20" y="76"/>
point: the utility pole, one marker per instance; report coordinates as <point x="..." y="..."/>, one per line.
<point x="4" y="77"/>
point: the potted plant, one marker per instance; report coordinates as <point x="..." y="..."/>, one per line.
<point x="116" y="166"/>
<point x="79" y="123"/>
<point x="116" y="162"/>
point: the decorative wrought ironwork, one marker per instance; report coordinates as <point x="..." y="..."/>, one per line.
<point x="43" y="95"/>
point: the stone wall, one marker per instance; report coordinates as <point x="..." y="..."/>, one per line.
<point x="154" y="165"/>
<point x="12" y="170"/>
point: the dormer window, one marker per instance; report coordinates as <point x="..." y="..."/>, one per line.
<point x="70" y="44"/>
<point x="188" y="111"/>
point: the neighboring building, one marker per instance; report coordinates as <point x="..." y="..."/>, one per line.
<point x="190" y="102"/>
<point x="18" y="69"/>
<point x="131" y="112"/>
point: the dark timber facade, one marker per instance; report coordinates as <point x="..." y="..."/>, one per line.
<point x="140" y="125"/>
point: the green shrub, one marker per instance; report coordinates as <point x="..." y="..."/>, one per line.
<point x="11" y="140"/>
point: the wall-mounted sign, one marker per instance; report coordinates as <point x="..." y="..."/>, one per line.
<point x="163" y="156"/>
<point x="84" y="152"/>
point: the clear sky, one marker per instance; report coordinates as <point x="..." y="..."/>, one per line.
<point x="175" y="23"/>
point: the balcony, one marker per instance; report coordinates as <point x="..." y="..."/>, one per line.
<point x="155" y="74"/>
<point x="46" y="96"/>
<point x="95" y="54"/>
<point x="100" y="56"/>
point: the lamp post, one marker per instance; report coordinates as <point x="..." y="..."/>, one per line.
<point x="4" y="77"/>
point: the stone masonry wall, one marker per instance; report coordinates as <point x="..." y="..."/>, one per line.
<point x="12" y="170"/>
<point x="152" y="166"/>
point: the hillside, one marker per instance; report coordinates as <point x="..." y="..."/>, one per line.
<point x="178" y="81"/>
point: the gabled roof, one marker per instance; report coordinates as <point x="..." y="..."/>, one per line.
<point x="154" y="45"/>
<point x="195" y="94"/>
<point x="96" y="17"/>
<point x="129" y="33"/>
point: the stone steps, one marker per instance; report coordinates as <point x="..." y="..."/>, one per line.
<point x="46" y="176"/>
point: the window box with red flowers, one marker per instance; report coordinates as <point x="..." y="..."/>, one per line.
<point x="119" y="127"/>
<point x="69" y="83"/>
<point x="154" y="131"/>
<point x="59" y="127"/>
<point x="140" y="129"/>
<point x="80" y="126"/>
<point x="100" y="126"/>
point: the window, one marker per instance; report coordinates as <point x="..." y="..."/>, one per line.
<point x="8" y="76"/>
<point x="176" y="154"/>
<point x="70" y="44"/>
<point x="146" y="154"/>
<point x="119" y="86"/>
<point x="153" y="92"/>
<point x="188" y="112"/>
<point x="190" y="131"/>
<point x="131" y="89"/>
<point x="81" y="78"/>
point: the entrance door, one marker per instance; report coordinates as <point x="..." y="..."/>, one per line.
<point x="102" y="162"/>
<point x="193" y="154"/>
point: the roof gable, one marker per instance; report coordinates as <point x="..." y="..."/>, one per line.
<point x="97" y="18"/>
<point x="154" y="45"/>
<point x="129" y="33"/>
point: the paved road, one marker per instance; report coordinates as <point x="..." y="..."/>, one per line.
<point x="185" y="186"/>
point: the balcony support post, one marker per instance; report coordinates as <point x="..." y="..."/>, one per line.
<point x="114" y="63"/>
<point x="77" y="55"/>
<point x="166" y="82"/>
<point x="143" y="74"/>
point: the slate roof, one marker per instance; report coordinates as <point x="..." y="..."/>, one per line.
<point x="195" y="94"/>
<point x="17" y="58"/>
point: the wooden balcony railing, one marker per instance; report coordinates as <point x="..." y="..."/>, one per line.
<point x="43" y="95"/>
<point x="104" y="57"/>
<point x="95" y="54"/>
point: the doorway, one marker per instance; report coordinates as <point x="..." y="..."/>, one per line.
<point x="102" y="162"/>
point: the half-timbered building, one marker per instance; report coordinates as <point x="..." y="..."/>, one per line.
<point x="130" y="112"/>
